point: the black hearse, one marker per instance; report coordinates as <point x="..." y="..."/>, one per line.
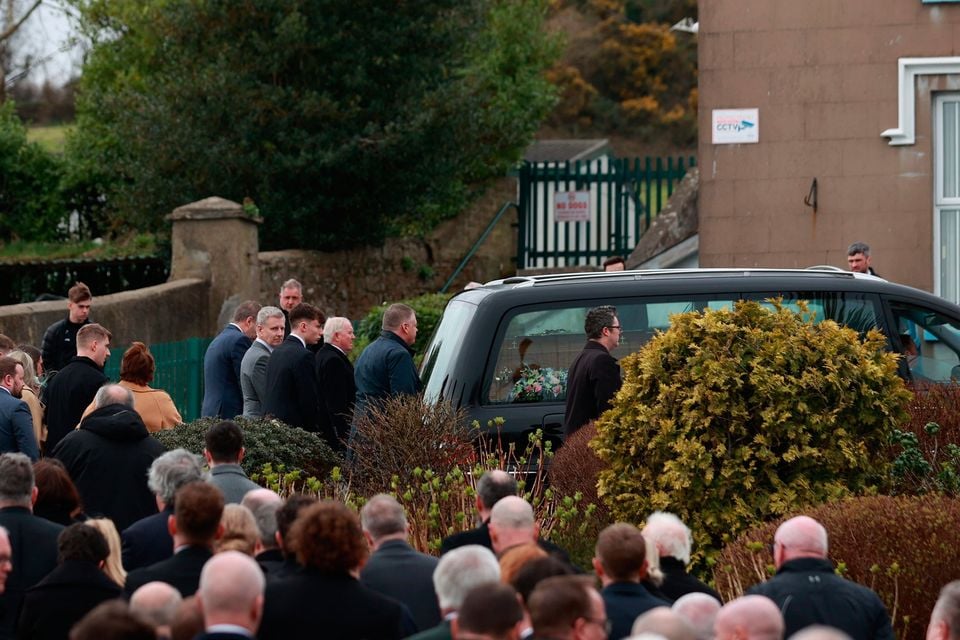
<point x="502" y="350"/>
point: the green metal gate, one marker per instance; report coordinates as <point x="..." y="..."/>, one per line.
<point x="624" y="195"/>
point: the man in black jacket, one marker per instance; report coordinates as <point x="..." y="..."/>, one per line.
<point x="594" y="376"/>
<point x="292" y="394"/>
<point x="338" y="391"/>
<point x="491" y="488"/>
<point x="808" y="591"/>
<point x="109" y="456"/>
<point x="71" y="390"/>
<point x="59" y="340"/>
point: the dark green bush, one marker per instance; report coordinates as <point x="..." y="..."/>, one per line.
<point x="904" y="548"/>
<point x="926" y="448"/>
<point x="266" y="442"/>
<point x="733" y="417"/>
<point x="428" y="307"/>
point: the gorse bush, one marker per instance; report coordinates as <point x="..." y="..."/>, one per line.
<point x="733" y="417"/>
<point x="266" y="442"/>
<point x="904" y="548"/>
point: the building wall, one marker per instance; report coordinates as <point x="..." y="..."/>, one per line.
<point x="824" y="75"/>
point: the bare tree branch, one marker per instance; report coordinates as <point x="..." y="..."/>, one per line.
<point x="12" y="29"/>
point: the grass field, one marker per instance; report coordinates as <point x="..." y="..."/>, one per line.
<point x="51" y="138"/>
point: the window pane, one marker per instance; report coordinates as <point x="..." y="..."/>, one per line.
<point x="949" y="255"/>
<point x="855" y="310"/>
<point x="930" y="342"/>
<point x="444" y="346"/>
<point x="950" y="139"/>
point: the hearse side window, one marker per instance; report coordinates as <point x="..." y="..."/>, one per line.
<point x="444" y="346"/>
<point x="539" y="344"/>
<point x="929" y="341"/>
<point x="858" y="311"/>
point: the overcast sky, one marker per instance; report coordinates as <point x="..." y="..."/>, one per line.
<point x="47" y="32"/>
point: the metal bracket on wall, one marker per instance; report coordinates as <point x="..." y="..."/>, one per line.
<point x="811" y="199"/>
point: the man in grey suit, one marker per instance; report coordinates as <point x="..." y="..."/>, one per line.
<point x="253" y="367"/>
<point x="223" y="452"/>
<point x="395" y="568"/>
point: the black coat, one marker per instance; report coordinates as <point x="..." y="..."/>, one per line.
<point x="480" y="536"/>
<point x="308" y="603"/>
<point x="33" y="541"/>
<point x="62" y="598"/>
<point x="181" y="571"/>
<point x="397" y="570"/>
<point x="68" y="394"/>
<point x="677" y="582"/>
<point x="292" y="395"/>
<point x="808" y="592"/>
<point x="592" y="381"/>
<point x="338" y="392"/>
<point x="147" y="541"/>
<point x="108" y="458"/>
<point x="624" y="602"/>
<point x="59" y="343"/>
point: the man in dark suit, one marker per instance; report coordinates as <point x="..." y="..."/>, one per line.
<point x="222" y="396"/>
<point x="230" y="597"/>
<point x="674" y="543"/>
<point x="292" y="394"/>
<point x="33" y="540"/>
<point x="148" y="540"/>
<point x="253" y="367"/>
<point x="395" y="568"/>
<point x="594" y="376"/>
<point x="195" y="526"/>
<point x="16" y="424"/>
<point x="338" y="390"/>
<point x="491" y="488"/>
<point x="621" y="565"/>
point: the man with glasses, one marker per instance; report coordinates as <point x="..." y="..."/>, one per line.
<point x="594" y="376"/>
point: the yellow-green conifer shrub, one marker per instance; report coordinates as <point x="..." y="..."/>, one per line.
<point x="734" y="417"/>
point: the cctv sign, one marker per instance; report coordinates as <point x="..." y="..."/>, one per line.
<point x="571" y="206"/>
<point x="736" y="126"/>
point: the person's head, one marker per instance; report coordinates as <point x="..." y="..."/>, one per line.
<point x="29" y="372"/>
<point x="231" y="591"/>
<point x="401" y="320"/>
<point x="7" y="344"/>
<point x="615" y="263"/>
<point x="382" y="519"/>
<point x="56" y="493"/>
<point x="512" y="523"/>
<point x="113" y="394"/>
<point x="112" y="620"/>
<point x="661" y="621"/>
<point x="516" y="557"/>
<point x="749" y="618"/>
<point x="6" y="558"/>
<point x="156" y="603"/>
<point x="223" y="443"/>
<point x="339" y="332"/>
<point x="327" y="537"/>
<point x="858" y="257"/>
<point x="799" y="537"/>
<point x="306" y="321"/>
<point x="671" y="537"/>
<point x="79" y="301"/>
<point x="172" y="470"/>
<point x="265" y="517"/>
<point x="82" y="543"/>
<point x="459" y="571"/>
<point x="113" y="566"/>
<point x="239" y="530"/>
<point x="602" y="325"/>
<point x="93" y="341"/>
<point x="945" y="618"/>
<point x="526" y="579"/>
<point x="197" y="511"/>
<point x="700" y="611"/>
<point x="490" y="612"/>
<point x="492" y="487"/>
<point x="620" y="554"/>
<point x="270" y="325"/>
<point x="138" y="364"/>
<point x="188" y="623"/>
<point x="17" y="488"/>
<point x="35" y="355"/>
<point x="245" y="317"/>
<point x="11" y="376"/>
<point x="286" y="515"/>
<point x="291" y="294"/>
<point x="567" y="607"/>
<point x="820" y="632"/>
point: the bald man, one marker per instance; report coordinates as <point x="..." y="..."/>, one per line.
<point x="808" y="591"/>
<point x="945" y="618"/>
<point x="665" y="623"/>
<point x="749" y="618"/>
<point x="231" y="597"/>
<point x="156" y="603"/>
<point x="700" y="610"/>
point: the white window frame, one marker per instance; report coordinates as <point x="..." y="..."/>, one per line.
<point x="940" y="202"/>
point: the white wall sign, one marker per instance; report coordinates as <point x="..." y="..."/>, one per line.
<point x="571" y="206"/>
<point x="736" y="126"/>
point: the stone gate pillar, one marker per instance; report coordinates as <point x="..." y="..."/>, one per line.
<point x="215" y="240"/>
